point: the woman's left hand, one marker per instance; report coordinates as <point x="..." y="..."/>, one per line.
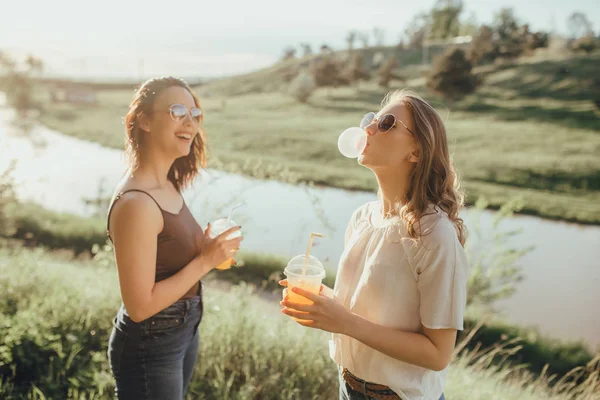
<point x="325" y="313"/>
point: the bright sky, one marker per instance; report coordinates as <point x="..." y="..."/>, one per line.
<point x="126" y="38"/>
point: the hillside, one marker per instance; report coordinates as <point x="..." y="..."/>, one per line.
<point x="530" y="131"/>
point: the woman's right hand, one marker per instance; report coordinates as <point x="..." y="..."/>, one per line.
<point x="215" y="251"/>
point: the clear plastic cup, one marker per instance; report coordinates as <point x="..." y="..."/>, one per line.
<point x="352" y="142"/>
<point x="310" y="280"/>
<point x="217" y="228"/>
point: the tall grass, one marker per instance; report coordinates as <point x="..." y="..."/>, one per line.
<point x="491" y="376"/>
<point x="56" y="318"/>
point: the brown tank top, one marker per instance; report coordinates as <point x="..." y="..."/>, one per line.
<point x="176" y="243"/>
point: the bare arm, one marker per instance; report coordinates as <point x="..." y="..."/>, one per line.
<point x="135" y="224"/>
<point x="432" y="349"/>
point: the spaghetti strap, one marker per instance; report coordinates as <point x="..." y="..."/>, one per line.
<point x="117" y="197"/>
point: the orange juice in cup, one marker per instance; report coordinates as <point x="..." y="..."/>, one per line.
<point x="305" y="273"/>
<point x="221" y="225"/>
<point x="217" y="228"/>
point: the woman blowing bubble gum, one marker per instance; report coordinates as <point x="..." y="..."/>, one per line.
<point x="400" y="290"/>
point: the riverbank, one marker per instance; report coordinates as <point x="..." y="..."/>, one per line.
<point x="278" y="218"/>
<point x="524" y="134"/>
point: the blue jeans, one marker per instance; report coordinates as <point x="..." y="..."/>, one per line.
<point x="347" y="393"/>
<point x="154" y="359"/>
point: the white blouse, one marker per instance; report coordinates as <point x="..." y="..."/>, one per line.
<point x="395" y="281"/>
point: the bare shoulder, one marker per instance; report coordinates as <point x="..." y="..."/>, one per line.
<point x="135" y="211"/>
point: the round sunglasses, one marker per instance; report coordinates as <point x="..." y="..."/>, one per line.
<point x="178" y="112"/>
<point x="384" y="123"/>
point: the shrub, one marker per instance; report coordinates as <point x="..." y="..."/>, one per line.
<point x="452" y="76"/>
<point x="302" y="87"/>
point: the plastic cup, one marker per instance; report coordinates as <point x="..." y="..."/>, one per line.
<point x="217" y="228"/>
<point x="307" y="277"/>
<point x="352" y="142"/>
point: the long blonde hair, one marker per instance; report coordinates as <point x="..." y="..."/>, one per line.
<point x="433" y="179"/>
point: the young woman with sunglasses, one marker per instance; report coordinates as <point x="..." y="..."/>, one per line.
<point x="161" y="252"/>
<point x="400" y="290"/>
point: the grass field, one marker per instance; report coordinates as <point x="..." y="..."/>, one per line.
<point x="531" y="131"/>
<point x="54" y="332"/>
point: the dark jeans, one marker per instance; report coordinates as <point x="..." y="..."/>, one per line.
<point x="154" y="359"/>
<point x="347" y="393"/>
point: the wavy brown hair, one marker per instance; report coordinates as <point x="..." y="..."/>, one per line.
<point x="433" y="179"/>
<point x="185" y="169"/>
